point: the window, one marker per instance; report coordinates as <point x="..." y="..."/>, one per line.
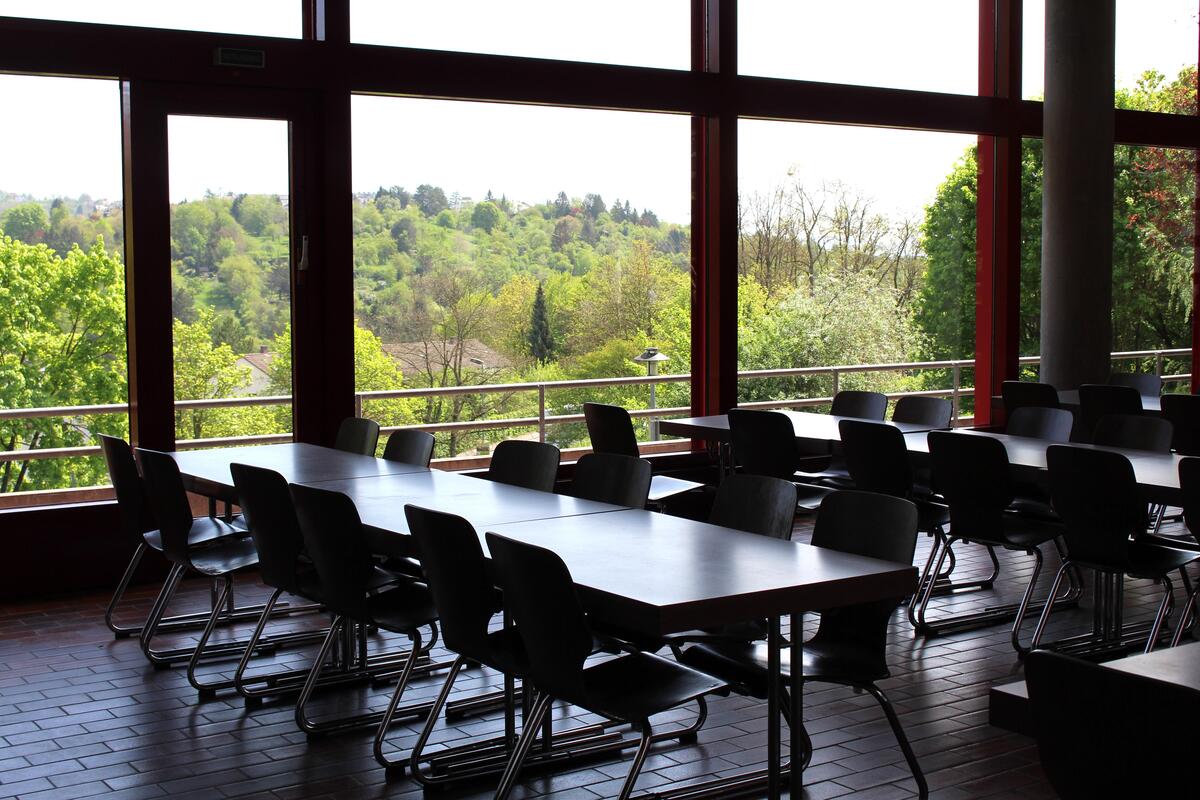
<point x="629" y="32"/>
<point x="930" y="45"/>
<point x="852" y="255"/>
<point x="62" y="288"/>
<point x="261" y="18"/>
<point x="499" y="244"/>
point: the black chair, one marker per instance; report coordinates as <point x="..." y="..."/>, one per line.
<point x="409" y="446"/>
<point x="936" y="412"/>
<point x="1036" y="422"/>
<point x="217" y="558"/>
<point x="1098" y="400"/>
<point x="1025" y="394"/>
<point x="1096" y="495"/>
<point x="1189" y="487"/>
<point x="1147" y="385"/>
<point x="611" y="478"/>
<point x="531" y="465"/>
<point x="862" y="405"/>
<point x="336" y="543"/>
<point x="1107" y="733"/>
<point x="850" y="646"/>
<point x="1183" y="412"/>
<point x="764" y="443"/>
<point x="540" y="597"/>
<point x="1133" y="432"/>
<point x="357" y="435"/>
<point x="972" y="473"/>
<point x="610" y="429"/>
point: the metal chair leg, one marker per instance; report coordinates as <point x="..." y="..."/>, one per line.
<point x="208" y="689"/>
<point x="529" y="733"/>
<point x="314" y="675"/>
<point x="1025" y="598"/>
<point x="414" y="758"/>
<point x="170" y="585"/>
<point x="901" y="739"/>
<point x="916" y="613"/>
<point x="239" y="674"/>
<point x="1164" y="611"/>
<point x="397" y="765"/>
<point x="121" y="631"/>
<point x="639" y="759"/>
<point x="1186" y="619"/>
<point x="1046" y="609"/>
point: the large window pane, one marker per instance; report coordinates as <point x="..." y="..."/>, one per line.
<point x="260" y="18"/>
<point x="930" y="45"/>
<point x="499" y="244"/>
<point x="231" y="278"/>
<point x="630" y="32"/>
<point x="1155" y="50"/>
<point x="62" y="286"/>
<point x="850" y="255"/>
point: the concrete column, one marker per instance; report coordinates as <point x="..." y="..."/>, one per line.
<point x="1077" y="199"/>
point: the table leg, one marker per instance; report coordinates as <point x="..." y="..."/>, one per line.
<point x="796" y="729"/>
<point x="773" y="715"/>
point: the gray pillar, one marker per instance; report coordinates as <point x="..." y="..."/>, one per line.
<point x="1077" y="199"/>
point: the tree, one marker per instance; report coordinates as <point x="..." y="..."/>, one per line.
<point x="541" y="342"/>
<point x="486" y="215"/>
<point x="430" y="199"/>
<point x="27" y="222"/>
<point x="562" y="205"/>
<point x="593" y="204"/>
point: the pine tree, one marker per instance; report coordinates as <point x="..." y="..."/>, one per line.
<point x="541" y="343"/>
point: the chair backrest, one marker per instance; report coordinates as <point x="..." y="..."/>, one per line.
<point x="532" y="465"/>
<point x="1146" y="384"/>
<point x="1134" y="432"/>
<point x="863" y="405"/>
<point x="1097" y="400"/>
<point x="1022" y="394"/>
<point x="611" y="429"/>
<point x="875" y="526"/>
<point x="763" y="443"/>
<point x="409" y="446"/>
<point x="1095" y="494"/>
<point x="1183" y="410"/>
<point x="1100" y="730"/>
<point x="611" y="478"/>
<point x="936" y="412"/>
<point x="358" y="435"/>
<point x="136" y="515"/>
<point x="455" y="569"/>
<point x="540" y="597"/>
<point x="755" y="504"/>
<point x="971" y="472"/>
<point x="1189" y="488"/>
<point x="169" y="500"/>
<point x="876" y="457"/>
<point x="335" y="541"/>
<point x="270" y="515"/>
<point x="1050" y="424"/>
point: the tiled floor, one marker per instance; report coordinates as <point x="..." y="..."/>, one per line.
<point x="83" y="715"/>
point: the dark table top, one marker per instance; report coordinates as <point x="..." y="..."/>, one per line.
<point x="807" y="425"/>
<point x="1069" y="398"/>
<point x="1177" y="665"/>
<point x="207" y="471"/>
<point x="662" y="574"/>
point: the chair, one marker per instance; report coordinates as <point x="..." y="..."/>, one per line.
<point x="531" y="465"/>
<point x="764" y="443"/>
<point x="1036" y="422"/>
<point x="540" y="597"/>
<point x="357" y="435"/>
<point x="1097" y="400"/>
<point x="1147" y="385"/>
<point x="336" y="543"/>
<point x="611" y="478"/>
<point x="610" y="429"/>
<point x="1134" y="432"/>
<point x="1096" y="495"/>
<point x="409" y="446"/>
<point x="850" y="646"/>
<point x="972" y="474"/>
<point x="1183" y="412"/>
<point x="1102" y="732"/>
<point x="936" y="412"/>
<point x="222" y="553"/>
<point x="1024" y="394"/>
<point x="862" y="405"/>
<point x="1189" y="487"/>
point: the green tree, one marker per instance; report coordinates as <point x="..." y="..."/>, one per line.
<point x="430" y="199"/>
<point x="486" y="215"/>
<point x="541" y="342"/>
<point x="27" y="222"/>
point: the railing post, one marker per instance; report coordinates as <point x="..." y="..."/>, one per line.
<point x="1158" y="363"/>
<point x="836" y="381"/>
<point x="357" y="404"/>
<point x="541" y="412"/>
<point x="956" y="372"/>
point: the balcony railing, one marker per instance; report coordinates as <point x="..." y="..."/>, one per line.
<point x="544" y="419"/>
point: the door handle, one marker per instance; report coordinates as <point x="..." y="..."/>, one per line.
<point x="303" y="265"/>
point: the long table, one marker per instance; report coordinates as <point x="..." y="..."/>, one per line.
<point x="806" y="424"/>
<point x="1069" y="398"/>
<point x="641" y="570"/>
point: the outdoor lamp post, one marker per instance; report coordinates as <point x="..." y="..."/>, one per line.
<point x="652" y="358"/>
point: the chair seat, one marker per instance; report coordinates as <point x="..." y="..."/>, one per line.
<point x="931" y="515"/>
<point x="1031" y="505"/>
<point x="639" y="685"/>
<point x="205" y="530"/>
<point x="745" y="664"/>
<point x="505" y="653"/>
<point x="1145" y="561"/>
<point x="809" y="496"/>
<point x="402" y="607"/>
<point x="1020" y="532"/>
<point x="224" y="556"/>
<point x="737" y="632"/>
<point x="664" y="486"/>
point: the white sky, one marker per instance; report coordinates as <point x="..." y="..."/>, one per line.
<point x="531" y="153"/>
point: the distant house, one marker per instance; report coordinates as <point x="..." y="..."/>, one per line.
<point x="416" y="358"/>
<point x="259" y="365"/>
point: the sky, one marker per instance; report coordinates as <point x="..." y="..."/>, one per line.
<point x="70" y="143"/>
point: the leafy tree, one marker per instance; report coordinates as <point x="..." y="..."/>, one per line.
<point x="404" y="234"/>
<point x="430" y="199"/>
<point x="27" y="222"/>
<point x="562" y="205"/>
<point x="486" y="216"/>
<point x="593" y="204"/>
<point x="541" y="342"/>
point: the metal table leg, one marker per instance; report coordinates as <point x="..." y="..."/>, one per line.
<point x="796" y="729"/>
<point x="773" y="710"/>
